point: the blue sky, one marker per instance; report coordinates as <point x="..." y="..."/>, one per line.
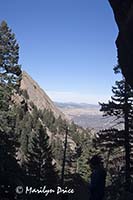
<point x="67" y="46"/>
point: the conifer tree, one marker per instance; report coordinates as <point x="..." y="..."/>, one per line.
<point x="10" y="73"/>
<point x="9" y="55"/>
<point x="121" y="108"/>
<point x="9" y="77"/>
<point x="39" y="158"/>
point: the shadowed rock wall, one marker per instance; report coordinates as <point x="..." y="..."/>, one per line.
<point x="123" y="13"/>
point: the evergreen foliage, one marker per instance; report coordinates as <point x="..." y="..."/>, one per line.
<point x="9" y="55"/>
<point x="9" y="81"/>
<point x="39" y="165"/>
<point x="9" y="75"/>
<point x="117" y="142"/>
<point x="83" y="151"/>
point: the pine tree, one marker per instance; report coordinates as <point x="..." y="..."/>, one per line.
<point x="9" y="55"/>
<point x="121" y="108"/>
<point x="10" y="73"/>
<point x="9" y="78"/>
<point x="39" y="158"/>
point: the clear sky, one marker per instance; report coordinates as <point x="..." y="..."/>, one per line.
<point x="67" y="46"/>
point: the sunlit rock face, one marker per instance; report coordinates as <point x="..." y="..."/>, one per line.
<point x="38" y="96"/>
<point x="123" y="12"/>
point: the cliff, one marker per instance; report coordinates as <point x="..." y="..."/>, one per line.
<point x="38" y="96"/>
<point x="123" y="13"/>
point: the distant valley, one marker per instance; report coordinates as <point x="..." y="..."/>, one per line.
<point x="86" y="115"/>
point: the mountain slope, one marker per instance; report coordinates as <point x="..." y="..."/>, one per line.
<point x="38" y="96"/>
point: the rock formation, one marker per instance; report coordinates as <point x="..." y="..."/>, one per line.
<point x="123" y="13"/>
<point x="38" y="96"/>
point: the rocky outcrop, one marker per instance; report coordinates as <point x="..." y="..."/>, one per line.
<point x="123" y="13"/>
<point x="38" y="96"/>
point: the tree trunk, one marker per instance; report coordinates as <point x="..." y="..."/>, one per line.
<point x="127" y="143"/>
